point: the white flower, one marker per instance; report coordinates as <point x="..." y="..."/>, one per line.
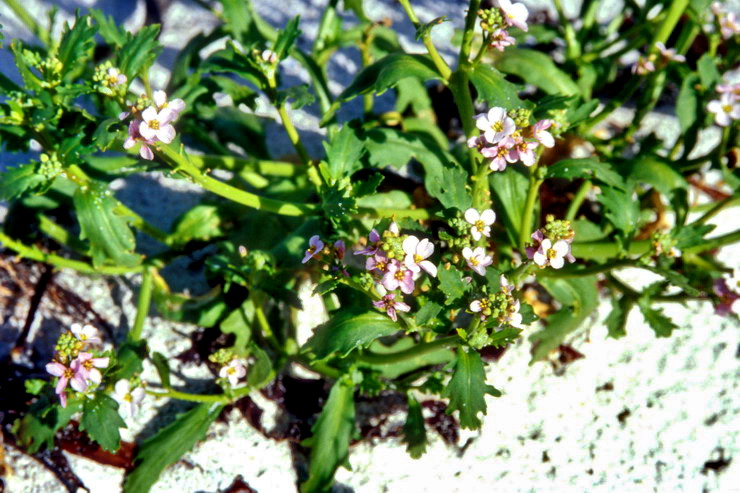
<point x="477" y="259"/>
<point x="114" y="77"/>
<point x="553" y="255"/>
<point x="156" y="124"/>
<point x="481" y="222"/>
<point x="269" y="56"/>
<point x="669" y="53"/>
<point x="728" y="25"/>
<point x="505" y="286"/>
<point x="481" y="306"/>
<point x="128" y="399"/>
<point x="417" y="251"/>
<point x="513" y="317"/>
<point x="733" y="281"/>
<point x="176" y="105"/>
<point x="233" y="371"/>
<point x="85" y="333"/>
<point x="495" y="124"/>
<point x="725" y="109"/>
<point x="514" y="14"/>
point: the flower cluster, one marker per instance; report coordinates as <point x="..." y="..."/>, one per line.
<point x="109" y="80"/>
<point x="727" y="288"/>
<point x="153" y="124"/>
<point x="129" y="394"/>
<point x="73" y="362"/>
<point x="508" y="137"/>
<point x="496" y="21"/>
<point x="501" y="306"/>
<point x="664" y="244"/>
<point x="232" y="369"/>
<point x="726" y="108"/>
<point x="646" y="64"/>
<point x="552" y="244"/>
<point x="729" y="25"/>
<point x="317" y="250"/>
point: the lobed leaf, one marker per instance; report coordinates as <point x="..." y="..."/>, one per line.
<point x="587" y="168"/>
<point x="101" y="421"/>
<point x="414" y="431"/>
<point x="494" y="89"/>
<point x="467" y="388"/>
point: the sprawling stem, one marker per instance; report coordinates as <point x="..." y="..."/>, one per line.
<point x="142" y="305"/>
<point x="412" y="352"/>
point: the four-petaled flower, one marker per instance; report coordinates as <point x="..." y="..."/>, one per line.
<point x="134" y="136"/>
<point x="114" y="77"/>
<point x="513" y="317"/>
<point x="643" y="66"/>
<point x="524" y="151"/>
<point x="481" y="222"/>
<point x="669" y="54"/>
<point x="378" y="262"/>
<point x="315" y="246"/>
<point x="725" y="109"/>
<point x="68" y="375"/>
<point x="514" y="14"/>
<point x="481" y="306"/>
<point x="506" y="287"/>
<point x="85" y="333"/>
<point x="495" y="124"/>
<point x="500" y="39"/>
<point x="501" y="154"/>
<point x="477" y="259"/>
<point x="128" y="399"/>
<point x="551" y="254"/>
<point x="728" y="25"/>
<point x="372" y="245"/>
<point x="397" y="276"/>
<point x="87" y="366"/>
<point x="157" y="124"/>
<point x="176" y="105"/>
<point x="391" y="306"/>
<point x="417" y="251"/>
<point x="235" y="370"/>
<point x="541" y="134"/>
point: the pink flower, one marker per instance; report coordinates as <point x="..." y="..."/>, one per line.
<point x="372" y="245"/>
<point x="339" y="249"/>
<point x="500" y="154"/>
<point x="524" y="152"/>
<point x="481" y="222"/>
<point x="234" y="371"/>
<point x="725" y="109"/>
<point x="176" y="105"/>
<point x="87" y="366"/>
<point x="477" y="259"/>
<point x="390" y="306"/>
<point x="481" y="306"/>
<point x="495" y="124"/>
<point x="128" y="399"/>
<point x="537" y="238"/>
<point x="115" y="77"/>
<point x="728" y="25"/>
<point x="669" y="54"/>
<point x="269" y="56"/>
<point x="378" y="262"/>
<point x="643" y="66"/>
<point x="156" y="124"/>
<point x="398" y="276"/>
<point x="514" y="14"/>
<point x="513" y="317"/>
<point x="417" y="251"/>
<point x="85" y="333"/>
<point x="727" y="88"/>
<point x="134" y="136"/>
<point x="727" y="288"/>
<point x="505" y="286"/>
<point x="541" y="134"/>
<point x="500" y="39"/>
<point x="71" y="376"/>
<point x="315" y="246"/>
<point x="551" y="254"/>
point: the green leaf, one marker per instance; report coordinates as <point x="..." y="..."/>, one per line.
<point x="510" y="189"/>
<point x="451" y="283"/>
<point x="706" y="66"/>
<point x="577" y="114"/>
<point x="467" y="388"/>
<point x="17" y="181"/>
<point x="139" y="51"/>
<point x="620" y="209"/>
<point x="239" y="322"/>
<point x="38" y="426"/>
<point x="163" y="369"/>
<point x="101" y="421"/>
<point x="395" y="369"/>
<point x="661" y="325"/>
<point x="451" y="189"/>
<point x="348" y="331"/>
<point x="331" y="437"/>
<point x="687" y="104"/>
<point x="414" y="431"/>
<point x="287" y="37"/>
<point x="579" y="297"/>
<point x="656" y="172"/>
<point x="129" y="359"/>
<point x="428" y="312"/>
<point x="203" y="222"/>
<point x="298" y="96"/>
<point x="494" y="89"/>
<point x="34" y="386"/>
<point x="384" y="74"/>
<point x="168" y="445"/>
<point x="587" y="168"/>
<point x="107" y="132"/>
<point x="426" y="29"/>
<point x="260" y="371"/>
<point x="343" y="153"/>
<point x="76" y="45"/>
<point x="692" y="235"/>
<point x="538" y="69"/>
<point x="675" y="278"/>
<point x="616" y="321"/>
<point x="108" y="29"/>
<point x="110" y="237"/>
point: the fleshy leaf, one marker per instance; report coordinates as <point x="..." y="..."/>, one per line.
<point x="467" y="388"/>
<point x="349" y="331"/>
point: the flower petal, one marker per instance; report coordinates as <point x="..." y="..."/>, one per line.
<point x="166" y="134"/>
<point x="149" y="113"/>
<point x="429" y="267"/>
<point x="409" y="244"/>
<point x="146" y="131"/>
<point x="472" y="215"/>
<point x="488" y="216"/>
<point x="160" y="98"/>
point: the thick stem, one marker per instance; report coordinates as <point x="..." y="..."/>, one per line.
<point x="578" y="199"/>
<point x="426" y="38"/>
<point x="413" y="352"/>
<point x="143" y="304"/>
<point x="528" y="214"/>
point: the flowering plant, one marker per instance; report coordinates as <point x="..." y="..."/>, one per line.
<point x="426" y="240"/>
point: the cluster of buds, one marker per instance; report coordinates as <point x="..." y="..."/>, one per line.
<point x="552" y="244"/>
<point x="73" y="362"/>
<point x="109" y="80"/>
<point x="232" y="369"/>
<point x="50" y="166"/>
<point x="333" y="257"/>
<point x="727" y="288"/>
<point x="664" y="244"/>
<point x="495" y="21"/>
<point x="729" y="25"/>
<point x="508" y="137"/>
<point x="646" y="64"/>
<point x="153" y="124"/>
<point x="726" y="108"/>
<point x="267" y="61"/>
<point x="129" y="394"/>
<point x="501" y="309"/>
<point x="50" y="67"/>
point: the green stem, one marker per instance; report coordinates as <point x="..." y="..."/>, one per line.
<point x="143" y="304"/>
<point x="568" y="272"/>
<point x="184" y="396"/>
<point x="413" y="352"/>
<point x="528" y="214"/>
<point x="426" y="38"/>
<point x="384" y="212"/>
<point x="573" y="48"/>
<point x="675" y="11"/>
<point x="578" y="199"/>
<point x="715" y="242"/>
<point x="231" y="163"/>
<point x="29" y="21"/>
<point x="716" y="208"/>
